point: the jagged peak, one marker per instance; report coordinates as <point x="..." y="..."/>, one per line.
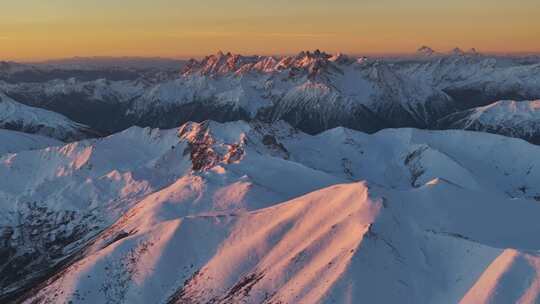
<point x="429" y="53"/>
<point x="192" y="130"/>
<point x="457" y="51"/>
<point x="460" y="53"/>
<point x="211" y="143"/>
<point x="227" y="131"/>
<point x="228" y="63"/>
<point x="426" y="51"/>
<point x="304" y="59"/>
<point x="341" y="58"/>
<point x="314" y="54"/>
<point x="219" y="63"/>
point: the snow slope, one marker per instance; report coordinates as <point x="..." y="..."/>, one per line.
<point x="511" y="118"/>
<point x="14" y="141"/>
<point x="317" y="91"/>
<point x="473" y="79"/>
<point x="19" y="117"/>
<point x="259" y="213"/>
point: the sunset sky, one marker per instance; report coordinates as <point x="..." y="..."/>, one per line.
<point x="37" y="29"/>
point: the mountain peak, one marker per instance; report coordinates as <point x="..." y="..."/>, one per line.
<point x="425" y="50"/>
<point x="473" y="51"/>
<point x="340" y="58"/>
<point x="457" y="51"/>
<point x="221" y="63"/>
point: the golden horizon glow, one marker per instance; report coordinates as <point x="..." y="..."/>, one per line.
<point x="38" y="30"/>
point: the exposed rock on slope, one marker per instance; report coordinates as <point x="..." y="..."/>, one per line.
<point x="242" y="212"/>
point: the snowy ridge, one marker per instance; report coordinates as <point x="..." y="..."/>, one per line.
<point x="474" y="79"/>
<point x="425" y="51"/>
<point x="208" y="213"/>
<point x="221" y="64"/>
<point x="281" y="201"/>
<point x="507" y="117"/>
<point x="332" y="88"/>
<point x="313" y="91"/>
<point x="17" y="116"/>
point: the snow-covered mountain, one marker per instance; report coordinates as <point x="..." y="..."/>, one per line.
<point x="264" y="213"/>
<point x="19" y="117"/>
<point x="511" y="118"/>
<point x="312" y="91"/>
<point x="317" y="91"/>
<point x="425" y="51"/>
<point x="100" y="104"/>
<point x="473" y="79"/>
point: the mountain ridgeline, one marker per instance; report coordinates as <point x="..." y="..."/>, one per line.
<point x="312" y="91"/>
<point x="312" y="178"/>
<point x="207" y="213"/>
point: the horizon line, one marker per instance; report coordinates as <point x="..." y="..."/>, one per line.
<point x="188" y="57"/>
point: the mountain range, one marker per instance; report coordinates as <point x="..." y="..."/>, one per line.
<point x="312" y="91"/>
<point x="312" y="178"/>
<point x="255" y="213"/>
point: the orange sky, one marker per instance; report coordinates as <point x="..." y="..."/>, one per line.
<point x="36" y="29"/>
